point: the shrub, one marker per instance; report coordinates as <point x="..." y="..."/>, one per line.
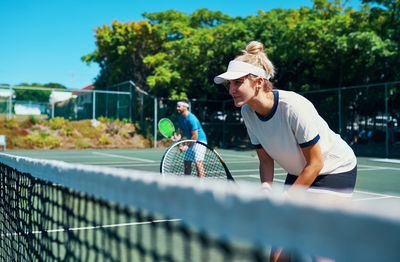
<point x="105" y="140"/>
<point x="34" y="140"/>
<point x="101" y="128"/>
<point x="125" y="133"/>
<point x="57" y="122"/>
<point x="126" y="121"/>
<point x="69" y="131"/>
<point x="51" y="142"/>
<point x="10" y="123"/>
<point x="33" y="119"/>
<point x="83" y="144"/>
<point x="104" y="120"/>
<point x="112" y="128"/>
<point x="86" y="129"/>
<point x="43" y="135"/>
<point x="42" y="140"/>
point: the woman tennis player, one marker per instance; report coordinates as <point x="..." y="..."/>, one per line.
<point x="286" y="128"/>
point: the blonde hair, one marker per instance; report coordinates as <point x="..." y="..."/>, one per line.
<point x="254" y="54"/>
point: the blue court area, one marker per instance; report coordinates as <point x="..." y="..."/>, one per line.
<point x="378" y="179"/>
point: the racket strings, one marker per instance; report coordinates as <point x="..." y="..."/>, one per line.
<point x="166" y="127"/>
<point x="199" y="159"/>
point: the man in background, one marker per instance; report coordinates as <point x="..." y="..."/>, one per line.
<point x="189" y="126"/>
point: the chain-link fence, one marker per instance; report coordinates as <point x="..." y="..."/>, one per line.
<point x="69" y="104"/>
<point x="366" y="116"/>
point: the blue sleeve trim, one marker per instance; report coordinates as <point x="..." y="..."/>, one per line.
<point x="310" y="143"/>
<point x="257" y="146"/>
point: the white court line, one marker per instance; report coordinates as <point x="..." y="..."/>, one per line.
<point x="250" y="170"/>
<point x="240" y="156"/>
<point x="235" y="161"/>
<point x="251" y="176"/>
<point x="124" y="157"/>
<point x="385" y="160"/>
<point x="258" y="175"/>
<point x="121" y="164"/>
<point x="135" y="165"/>
<point x="380" y="167"/>
<point x="92" y="227"/>
<point x="376" y="194"/>
<point x="371" y="198"/>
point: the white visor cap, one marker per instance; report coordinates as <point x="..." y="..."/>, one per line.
<point x="238" y="69"/>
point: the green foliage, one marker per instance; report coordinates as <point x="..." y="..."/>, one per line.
<point x="58" y="122"/>
<point x="36" y="95"/>
<point x="11" y="123"/>
<point x="125" y="133"/>
<point x="126" y="121"/>
<point x="121" y="49"/>
<point x="55" y="86"/>
<point x="34" y="140"/>
<point x="113" y="128"/>
<point x="85" y="128"/>
<point x="33" y="119"/>
<point x="83" y="144"/>
<point x="69" y="131"/>
<point x="42" y="140"/>
<point x="22" y="134"/>
<point x="51" y="142"/>
<point x="104" y="120"/>
<point x="104" y="140"/>
<point x="175" y="55"/>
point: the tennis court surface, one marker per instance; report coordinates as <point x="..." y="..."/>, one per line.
<point x="112" y="205"/>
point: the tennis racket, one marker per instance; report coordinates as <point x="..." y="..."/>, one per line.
<point x="191" y="157"/>
<point x="166" y="127"/>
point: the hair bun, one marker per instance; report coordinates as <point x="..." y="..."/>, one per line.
<point x="254" y="48"/>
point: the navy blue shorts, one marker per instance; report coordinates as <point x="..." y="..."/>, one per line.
<point x="340" y="182"/>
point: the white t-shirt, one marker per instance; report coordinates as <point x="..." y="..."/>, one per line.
<point x="292" y="124"/>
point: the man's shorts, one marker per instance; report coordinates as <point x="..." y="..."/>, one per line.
<point x="195" y="152"/>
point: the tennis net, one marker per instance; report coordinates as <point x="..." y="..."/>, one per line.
<point x="55" y="211"/>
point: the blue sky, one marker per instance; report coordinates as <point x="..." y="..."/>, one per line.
<point x="42" y="41"/>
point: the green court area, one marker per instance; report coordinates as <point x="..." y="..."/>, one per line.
<point x="377" y="178"/>
<point x="54" y="221"/>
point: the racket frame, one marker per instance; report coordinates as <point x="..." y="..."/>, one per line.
<point x="169" y="120"/>
<point x="228" y="173"/>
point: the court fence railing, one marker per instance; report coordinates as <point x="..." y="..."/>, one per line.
<point x="366" y="116"/>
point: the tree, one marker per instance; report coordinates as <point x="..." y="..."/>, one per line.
<point x="41" y="96"/>
<point x="120" y="51"/>
<point x="172" y="54"/>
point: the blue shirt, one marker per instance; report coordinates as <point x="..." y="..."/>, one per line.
<point x="189" y="124"/>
